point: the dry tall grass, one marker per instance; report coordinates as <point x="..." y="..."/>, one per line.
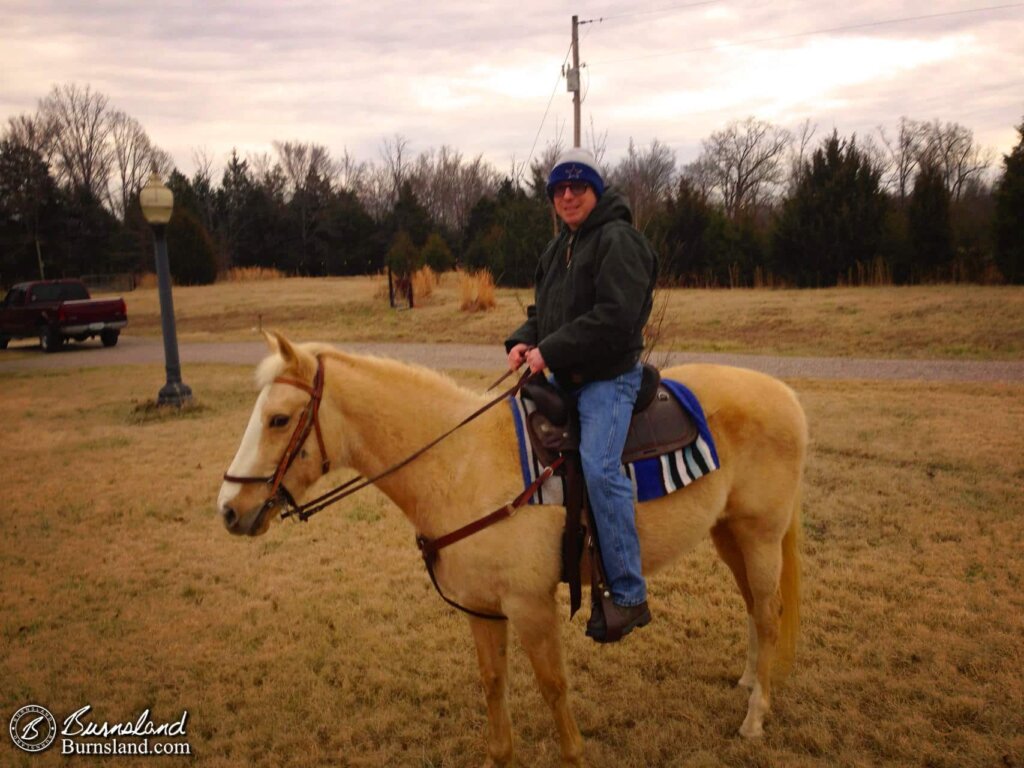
<point x="324" y="644"/>
<point x="476" y="291"/>
<point x="424" y="281"/>
<point x="250" y="274"/>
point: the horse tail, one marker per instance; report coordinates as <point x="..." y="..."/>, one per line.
<point x="789" y="588"/>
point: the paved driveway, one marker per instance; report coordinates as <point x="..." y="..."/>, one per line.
<point x="136" y="350"/>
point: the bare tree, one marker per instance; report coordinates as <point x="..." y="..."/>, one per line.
<point x="133" y="155"/>
<point x="202" y="184"/>
<point x="261" y="164"/>
<point x="952" y="149"/>
<point x="799" y="154"/>
<point x="33" y="131"/>
<point x="701" y="176"/>
<point x="302" y="162"/>
<point x="646" y="178"/>
<point x="203" y="161"/>
<point x="598" y="142"/>
<point x="541" y="167"/>
<point x="394" y="153"/>
<point x="448" y="186"/>
<point x="350" y="173"/>
<point x="81" y="137"/>
<point x="745" y="161"/>
<point x="904" y="155"/>
<point x="376" y="192"/>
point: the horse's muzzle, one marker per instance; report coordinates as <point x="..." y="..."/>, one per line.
<point x="251" y="524"/>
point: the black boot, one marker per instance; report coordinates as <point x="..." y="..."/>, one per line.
<point x="621" y="620"/>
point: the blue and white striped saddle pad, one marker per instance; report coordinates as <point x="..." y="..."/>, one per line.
<point x="652" y="477"/>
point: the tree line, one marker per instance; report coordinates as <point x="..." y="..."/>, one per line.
<point x="761" y="205"/>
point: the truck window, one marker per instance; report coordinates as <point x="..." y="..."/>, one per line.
<point x="59" y="292"/>
<point x="15" y="297"/>
<point x="73" y="292"/>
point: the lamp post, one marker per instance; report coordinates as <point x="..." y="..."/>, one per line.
<point x="157" y="202"/>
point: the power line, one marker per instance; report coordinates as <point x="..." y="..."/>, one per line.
<point x="666" y="9"/>
<point x="810" y="33"/>
<point x="544" y="119"/>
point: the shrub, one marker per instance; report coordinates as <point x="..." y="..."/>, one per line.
<point x="424" y="281"/>
<point x="476" y="291"/>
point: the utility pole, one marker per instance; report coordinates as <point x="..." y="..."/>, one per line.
<point x="572" y="81"/>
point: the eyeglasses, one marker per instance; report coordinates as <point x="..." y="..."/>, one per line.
<point x="577" y="188"/>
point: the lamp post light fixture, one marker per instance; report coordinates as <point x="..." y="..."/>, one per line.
<point x="157" y="203"/>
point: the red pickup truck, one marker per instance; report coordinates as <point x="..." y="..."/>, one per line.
<point x="57" y="310"/>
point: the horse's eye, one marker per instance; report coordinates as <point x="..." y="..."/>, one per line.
<point x="278" y="420"/>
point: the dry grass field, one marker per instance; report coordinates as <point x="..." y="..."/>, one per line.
<point x="324" y="643"/>
<point x="966" y="322"/>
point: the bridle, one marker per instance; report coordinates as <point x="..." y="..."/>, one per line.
<point x="429" y="548"/>
<point x="309" y="420"/>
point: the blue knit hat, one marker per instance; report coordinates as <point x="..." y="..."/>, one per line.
<point x="576" y="165"/>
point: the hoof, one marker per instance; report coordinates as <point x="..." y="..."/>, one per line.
<point x="751" y="731"/>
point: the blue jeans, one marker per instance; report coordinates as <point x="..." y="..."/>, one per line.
<point x="606" y="408"/>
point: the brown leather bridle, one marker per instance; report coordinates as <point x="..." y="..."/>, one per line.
<point x="429" y="548"/>
<point x="309" y="421"/>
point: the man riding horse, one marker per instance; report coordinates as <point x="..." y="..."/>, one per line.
<point x="593" y="296"/>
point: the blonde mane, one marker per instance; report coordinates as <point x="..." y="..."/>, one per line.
<point x="420" y="376"/>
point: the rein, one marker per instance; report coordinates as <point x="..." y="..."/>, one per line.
<point x="310" y="508"/>
<point x="310" y="421"/>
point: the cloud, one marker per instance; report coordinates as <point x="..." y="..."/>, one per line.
<point x="478" y="76"/>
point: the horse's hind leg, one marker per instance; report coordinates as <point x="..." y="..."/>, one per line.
<point x="762" y="560"/>
<point x="729" y="550"/>
<point x="491" y="639"/>
<point x="536" y="623"/>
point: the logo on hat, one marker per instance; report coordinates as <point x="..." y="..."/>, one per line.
<point x="573" y="172"/>
<point x="33" y="728"/>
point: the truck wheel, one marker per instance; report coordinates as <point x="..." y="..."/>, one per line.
<point x="50" y="340"/>
<point x="109" y="337"/>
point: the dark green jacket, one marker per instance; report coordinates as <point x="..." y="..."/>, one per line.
<point x="589" y="310"/>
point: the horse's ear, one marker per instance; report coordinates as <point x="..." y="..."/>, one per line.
<point x="281" y="346"/>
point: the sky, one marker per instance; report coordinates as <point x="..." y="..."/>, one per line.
<point x="484" y="77"/>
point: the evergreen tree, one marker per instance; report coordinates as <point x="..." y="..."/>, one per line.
<point x="403" y="257"/>
<point x="834" y="218"/>
<point x="436" y="253"/>
<point x="190" y="251"/>
<point x="686" y="237"/>
<point x="347" y="236"/>
<point x="929" y="225"/>
<point x="31" y="214"/>
<point x="409" y="216"/>
<point x="509" y="234"/>
<point x="91" y="237"/>
<point x="1009" y="214"/>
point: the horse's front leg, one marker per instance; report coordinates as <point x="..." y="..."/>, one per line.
<point x="492" y="653"/>
<point x="536" y="623"/>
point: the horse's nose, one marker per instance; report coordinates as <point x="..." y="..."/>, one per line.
<point x="229" y="516"/>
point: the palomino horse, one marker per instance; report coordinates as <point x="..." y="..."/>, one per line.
<point x="374" y="412"/>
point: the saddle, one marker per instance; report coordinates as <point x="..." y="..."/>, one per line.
<point x="659" y="425"/>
